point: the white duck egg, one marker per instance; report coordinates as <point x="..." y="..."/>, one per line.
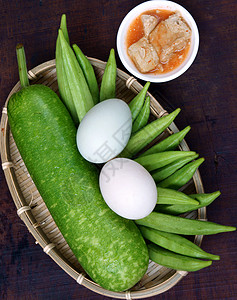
<point x="104" y="131"/>
<point x="128" y="188"/>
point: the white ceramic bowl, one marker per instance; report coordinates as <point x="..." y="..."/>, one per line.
<point x="138" y="10"/>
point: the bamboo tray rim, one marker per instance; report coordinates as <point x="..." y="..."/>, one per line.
<point x="24" y="210"/>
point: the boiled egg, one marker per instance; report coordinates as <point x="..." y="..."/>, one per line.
<point x="104" y="131"/>
<point x="128" y="188"/>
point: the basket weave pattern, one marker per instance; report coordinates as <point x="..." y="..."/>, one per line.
<point x="34" y="213"/>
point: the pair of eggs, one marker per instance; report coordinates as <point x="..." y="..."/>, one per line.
<point x="126" y="186"/>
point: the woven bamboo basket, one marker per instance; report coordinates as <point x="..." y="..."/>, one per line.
<point x="34" y="213"/>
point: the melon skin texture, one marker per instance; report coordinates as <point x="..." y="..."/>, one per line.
<point x="110" y="248"/>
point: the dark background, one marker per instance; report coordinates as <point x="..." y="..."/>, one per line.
<point x="206" y="93"/>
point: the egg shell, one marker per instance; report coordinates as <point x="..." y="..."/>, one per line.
<point x="104" y="131"/>
<point x="128" y="188"/>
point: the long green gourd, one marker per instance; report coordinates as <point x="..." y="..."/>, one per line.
<point x="109" y="248"/>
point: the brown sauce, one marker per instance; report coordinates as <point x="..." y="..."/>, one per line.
<point x="136" y="32"/>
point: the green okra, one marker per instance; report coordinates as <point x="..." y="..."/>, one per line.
<point x="172" y="197"/>
<point x="182" y="176"/>
<point x="159" y="160"/>
<point x="88" y="72"/>
<point x="108" y="83"/>
<point x="63" y="26"/>
<point x="179" y="225"/>
<point x="77" y="84"/>
<point x="204" y="199"/>
<point x="137" y="103"/>
<point x="63" y="86"/>
<point x="176" y="261"/>
<point x="169" y="143"/>
<point x="175" y="243"/>
<point x="142" y="117"/>
<point x="163" y="173"/>
<point x="147" y="134"/>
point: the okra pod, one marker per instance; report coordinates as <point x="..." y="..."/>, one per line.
<point x="182" y="176"/>
<point x="88" y="72"/>
<point x="175" y="243"/>
<point x="176" y="261"/>
<point x="147" y="134"/>
<point x="63" y="26"/>
<point x="80" y="92"/>
<point x="175" y="209"/>
<point x="179" y="225"/>
<point x="136" y="104"/>
<point x="169" y="143"/>
<point x="159" y="160"/>
<point x="108" y="83"/>
<point x="142" y="117"/>
<point x="163" y="173"/>
<point x="63" y="86"/>
<point x="172" y="197"/>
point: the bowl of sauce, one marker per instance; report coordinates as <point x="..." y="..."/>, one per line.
<point x="158" y="41"/>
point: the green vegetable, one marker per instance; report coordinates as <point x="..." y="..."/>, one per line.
<point x="175" y="209"/>
<point x="159" y="160"/>
<point x="109" y="248"/>
<point x="163" y="173"/>
<point x="175" y="243"/>
<point x="169" y="196"/>
<point x="182" y="176"/>
<point x="169" y="143"/>
<point x="63" y="26"/>
<point x="136" y="104"/>
<point x="142" y="117"/>
<point x="181" y="225"/>
<point x="108" y="83"/>
<point x="77" y="84"/>
<point x="63" y="85"/>
<point x="147" y="134"/>
<point x="176" y="261"/>
<point x="88" y="72"/>
<point x="21" y="60"/>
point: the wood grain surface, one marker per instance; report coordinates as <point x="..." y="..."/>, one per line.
<point x="207" y="95"/>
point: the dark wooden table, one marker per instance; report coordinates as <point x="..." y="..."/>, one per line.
<point x="206" y="93"/>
